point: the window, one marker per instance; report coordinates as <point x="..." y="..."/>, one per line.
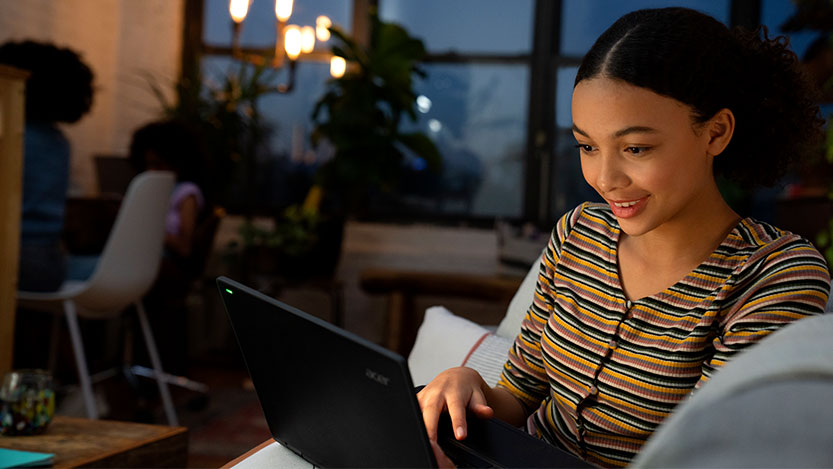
<point x="477" y="85"/>
<point x="496" y="98"/>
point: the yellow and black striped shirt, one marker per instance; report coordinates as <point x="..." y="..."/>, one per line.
<point x="599" y="373"/>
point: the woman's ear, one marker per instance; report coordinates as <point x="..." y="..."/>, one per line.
<point x="720" y="129"/>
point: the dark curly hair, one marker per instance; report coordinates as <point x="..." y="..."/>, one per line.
<point x="175" y="143"/>
<point x="60" y="84"/>
<point x="693" y="58"/>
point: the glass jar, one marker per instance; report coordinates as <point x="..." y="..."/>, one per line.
<point x="27" y="402"/>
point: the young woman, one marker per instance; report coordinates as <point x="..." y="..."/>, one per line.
<point x="641" y="299"/>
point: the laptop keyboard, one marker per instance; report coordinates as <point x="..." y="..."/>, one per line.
<point x="493" y="443"/>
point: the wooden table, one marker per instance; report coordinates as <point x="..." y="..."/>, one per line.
<point x="403" y="286"/>
<point x="106" y="443"/>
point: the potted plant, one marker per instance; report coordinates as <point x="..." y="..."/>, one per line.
<point x="226" y="117"/>
<point x="360" y="116"/>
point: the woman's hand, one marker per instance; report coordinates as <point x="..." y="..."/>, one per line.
<point x="457" y="390"/>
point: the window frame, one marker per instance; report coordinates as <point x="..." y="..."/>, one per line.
<point x="540" y="204"/>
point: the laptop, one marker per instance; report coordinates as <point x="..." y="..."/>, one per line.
<point x="338" y="400"/>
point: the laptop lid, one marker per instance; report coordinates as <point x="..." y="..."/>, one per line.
<point x="331" y="396"/>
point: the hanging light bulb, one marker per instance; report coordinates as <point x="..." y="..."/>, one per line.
<point x="337" y="66"/>
<point x="283" y="10"/>
<point x="322" y="23"/>
<point x="307" y="39"/>
<point x="238" y="9"/>
<point x="292" y="41"/>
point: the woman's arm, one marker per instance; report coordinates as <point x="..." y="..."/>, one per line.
<point x="781" y="284"/>
<point x="181" y="243"/>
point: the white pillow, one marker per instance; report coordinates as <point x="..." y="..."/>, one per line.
<point x="488" y="356"/>
<point x="445" y="341"/>
<point x="510" y="326"/>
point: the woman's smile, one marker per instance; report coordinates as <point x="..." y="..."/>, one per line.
<point x="627" y="208"/>
<point x="644" y="154"/>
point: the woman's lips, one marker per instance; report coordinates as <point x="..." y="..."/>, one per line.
<point x="627" y="208"/>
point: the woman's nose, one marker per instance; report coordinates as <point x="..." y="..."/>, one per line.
<point x="611" y="175"/>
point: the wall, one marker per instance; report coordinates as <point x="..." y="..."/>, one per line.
<point x="124" y="42"/>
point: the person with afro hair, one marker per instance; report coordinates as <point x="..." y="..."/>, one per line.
<point x="59" y="90"/>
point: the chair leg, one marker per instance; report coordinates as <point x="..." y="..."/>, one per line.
<point x="180" y="381"/>
<point x="53" y="342"/>
<point x="80" y="359"/>
<point x="167" y="402"/>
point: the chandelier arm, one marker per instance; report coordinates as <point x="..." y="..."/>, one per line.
<point x="290" y="84"/>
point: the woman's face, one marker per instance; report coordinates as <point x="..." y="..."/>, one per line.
<point x="641" y="152"/>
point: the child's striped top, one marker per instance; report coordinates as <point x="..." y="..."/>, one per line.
<point x="603" y="372"/>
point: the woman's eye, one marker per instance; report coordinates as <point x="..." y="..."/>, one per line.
<point x="636" y="150"/>
<point x="584" y="148"/>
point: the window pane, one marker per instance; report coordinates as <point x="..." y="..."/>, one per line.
<point x="285" y="168"/>
<point x="585" y="20"/>
<point x="473" y="26"/>
<point x="564" y="95"/>
<point x="259" y="25"/>
<point x="774" y="13"/>
<point x="569" y="186"/>
<point x="286" y="113"/>
<point x="477" y="118"/>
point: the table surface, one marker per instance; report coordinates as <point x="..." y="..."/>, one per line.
<point x="106" y="443"/>
<point x="270" y="453"/>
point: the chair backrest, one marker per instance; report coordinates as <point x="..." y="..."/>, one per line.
<point x="130" y="260"/>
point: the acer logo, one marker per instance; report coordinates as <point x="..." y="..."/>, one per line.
<point x="379" y="378"/>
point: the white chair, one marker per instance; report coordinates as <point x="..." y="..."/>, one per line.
<point x="125" y="271"/>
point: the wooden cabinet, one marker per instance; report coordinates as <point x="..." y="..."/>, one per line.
<point x="12" y="94"/>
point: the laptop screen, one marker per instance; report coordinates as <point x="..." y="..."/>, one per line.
<point x="332" y="397"/>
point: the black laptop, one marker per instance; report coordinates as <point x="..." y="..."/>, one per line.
<point x="338" y="400"/>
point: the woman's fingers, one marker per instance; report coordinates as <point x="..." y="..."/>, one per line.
<point x="480" y="407"/>
<point x="431" y="410"/>
<point x="454" y="390"/>
<point x="457" y="412"/>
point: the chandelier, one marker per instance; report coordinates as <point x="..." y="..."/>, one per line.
<point x="291" y="41"/>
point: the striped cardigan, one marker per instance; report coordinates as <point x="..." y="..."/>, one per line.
<point x="598" y="373"/>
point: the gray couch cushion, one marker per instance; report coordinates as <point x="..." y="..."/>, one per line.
<point x="772" y="406"/>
